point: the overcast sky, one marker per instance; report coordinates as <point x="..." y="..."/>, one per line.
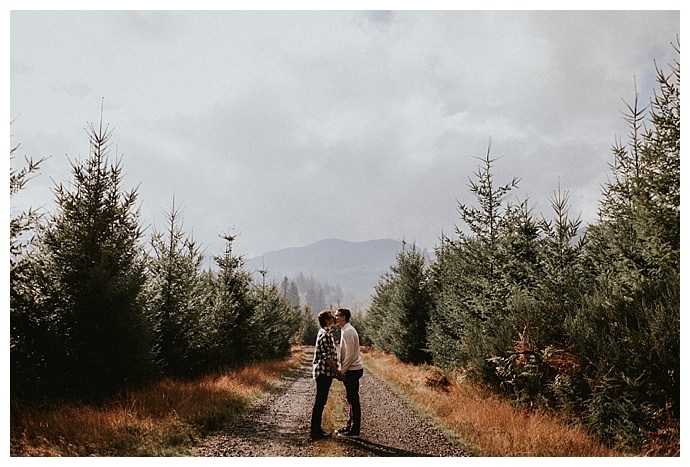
<point x="286" y="128"/>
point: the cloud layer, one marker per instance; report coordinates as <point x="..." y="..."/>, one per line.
<point x="288" y="127"/>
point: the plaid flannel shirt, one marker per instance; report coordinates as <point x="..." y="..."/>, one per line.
<point x="325" y="347"/>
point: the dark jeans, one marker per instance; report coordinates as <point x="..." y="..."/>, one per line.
<point x="323" y="385"/>
<point x="352" y="393"/>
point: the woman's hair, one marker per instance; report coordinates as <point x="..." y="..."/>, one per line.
<point x="324" y="316"/>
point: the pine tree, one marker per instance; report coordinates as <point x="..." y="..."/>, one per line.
<point x="396" y="321"/>
<point x="230" y="323"/>
<point x="95" y="268"/>
<point x="467" y="324"/>
<point x="175" y="297"/>
<point x="31" y="335"/>
<point x="290" y="292"/>
<point x="308" y="326"/>
<point x="275" y="323"/>
<point x="563" y="276"/>
<point x="628" y="329"/>
<point x="543" y="272"/>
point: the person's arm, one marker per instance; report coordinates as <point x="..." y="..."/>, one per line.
<point x="330" y="355"/>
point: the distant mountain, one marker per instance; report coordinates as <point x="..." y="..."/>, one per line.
<point x="356" y="267"/>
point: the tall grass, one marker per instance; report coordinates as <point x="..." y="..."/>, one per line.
<point x="169" y="418"/>
<point x="482" y="422"/>
<point x="165" y="419"/>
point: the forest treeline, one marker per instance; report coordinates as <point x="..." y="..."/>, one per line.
<point x="95" y="308"/>
<point x="584" y="320"/>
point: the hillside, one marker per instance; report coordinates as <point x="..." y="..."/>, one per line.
<point x="356" y="267"/>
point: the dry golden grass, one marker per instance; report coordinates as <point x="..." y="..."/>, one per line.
<point x="169" y="418"/>
<point x="164" y="419"/>
<point x="486" y="425"/>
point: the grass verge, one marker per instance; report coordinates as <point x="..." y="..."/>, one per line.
<point x="169" y="418"/>
<point x="480" y="421"/>
<point x="165" y="419"/>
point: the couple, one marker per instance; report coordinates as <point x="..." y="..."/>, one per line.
<point x="348" y="369"/>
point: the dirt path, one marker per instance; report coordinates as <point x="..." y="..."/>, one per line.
<point x="279" y="425"/>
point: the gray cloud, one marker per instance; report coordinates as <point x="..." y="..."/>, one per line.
<point x="289" y="127"/>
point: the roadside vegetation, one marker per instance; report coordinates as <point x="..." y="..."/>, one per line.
<point x="170" y="417"/>
<point x="481" y="421"/>
<point x="166" y="418"/>
<point x="579" y="321"/>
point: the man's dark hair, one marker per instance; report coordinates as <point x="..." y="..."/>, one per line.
<point x="346" y="313"/>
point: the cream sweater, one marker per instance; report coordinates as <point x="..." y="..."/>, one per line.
<point x="350" y="359"/>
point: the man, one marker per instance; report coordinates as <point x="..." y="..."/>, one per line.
<point x="325" y="367"/>
<point x="352" y="366"/>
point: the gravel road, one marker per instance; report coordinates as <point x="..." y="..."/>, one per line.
<point x="278" y="426"/>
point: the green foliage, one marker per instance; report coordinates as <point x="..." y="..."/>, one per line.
<point x="400" y="308"/>
<point x="360" y="322"/>
<point x="232" y="308"/>
<point x="25" y="221"/>
<point x="27" y="334"/>
<point x="244" y="322"/>
<point x="628" y="328"/>
<point x="275" y="324"/>
<point x="615" y="415"/>
<point x="630" y="341"/>
<point x="308" y="326"/>
<point x="563" y="276"/>
<point x="176" y="298"/>
<point x="92" y="314"/>
<point x="584" y="322"/>
<point x="88" y="271"/>
<point x="37" y="343"/>
<point x="474" y="275"/>
<point x="446" y="325"/>
<point x="538" y="367"/>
